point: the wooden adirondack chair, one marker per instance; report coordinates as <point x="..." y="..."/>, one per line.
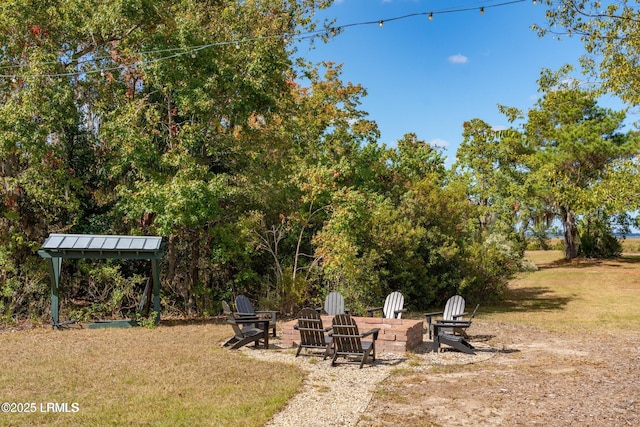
<point x="312" y="333"/>
<point x="334" y="304"/>
<point x="453" y="311"/>
<point x="348" y="341"/>
<point x="246" y="329"/>
<point x="245" y="308"/>
<point x="393" y="307"/>
<point x="244" y="336"/>
<point x="442" y="336"/>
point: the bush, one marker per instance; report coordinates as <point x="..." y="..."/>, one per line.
<point x="597" y="239"/>
<point x="492" y="262"/>
<point x="597" y="245"/>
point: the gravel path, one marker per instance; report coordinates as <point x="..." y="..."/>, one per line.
<point x="339" y="395"/>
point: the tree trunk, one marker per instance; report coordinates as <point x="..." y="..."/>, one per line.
<point x="194" y="271"/>
<point x="571" y="239"/>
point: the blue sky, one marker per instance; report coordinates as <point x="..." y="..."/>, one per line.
<point x="429" y="76"/>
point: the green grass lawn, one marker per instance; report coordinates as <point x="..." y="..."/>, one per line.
<point x="179" y="375"/>
<point x="582" y="295"/>
<point x="167" y="376"/>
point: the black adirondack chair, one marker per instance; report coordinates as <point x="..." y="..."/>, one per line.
<point x="441" y="335"/>
<point x="348" y="341"/>
<point x="246" y="328"/>
<point x="453" y="311"/>
<point x="243" y="336"/>
<point x="245" y="308"/>
<point x="313" y="336"/>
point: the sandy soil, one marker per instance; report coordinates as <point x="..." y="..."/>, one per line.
<point x="519" y="377"/>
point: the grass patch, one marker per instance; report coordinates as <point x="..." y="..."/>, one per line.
<point x="167" y="376"/>
<point x="582" y="295"/>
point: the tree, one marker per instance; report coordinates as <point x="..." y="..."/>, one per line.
<point x="574" y="143"/>
<point x="609" y="31"/>
<point x="487" y="163"/>
<point x="137" y="116"/>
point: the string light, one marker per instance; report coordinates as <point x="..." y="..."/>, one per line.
<point x="191" y="50"/>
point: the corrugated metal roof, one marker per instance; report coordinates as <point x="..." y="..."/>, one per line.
<point x="68" y="245"/>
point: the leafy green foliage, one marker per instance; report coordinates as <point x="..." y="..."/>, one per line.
<point x="608" y="31"/>
<point x="261" y="170"/>
<point x="561" y="164"/>
<point x="596" y="237"/>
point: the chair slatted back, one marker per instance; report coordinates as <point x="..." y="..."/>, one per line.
<point x="334" y="304"/>
<point x="312" y="333"/>
<point x="243" y="305"/>
<point x="346" y="336"/>
<point x="226" y="310"/>
<point x="394" y="302"/>
<point x="454" y="308"/>
<point x="236" y="328"/>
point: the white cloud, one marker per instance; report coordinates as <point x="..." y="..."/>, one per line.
<point x="458" y="59"/>
<point x="440" y="143"/>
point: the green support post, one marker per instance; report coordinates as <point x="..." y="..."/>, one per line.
<point x="54" y="265"/>
<point x="155" y="269"/>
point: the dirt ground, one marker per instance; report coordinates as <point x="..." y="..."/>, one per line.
<point x="519" y="377"/>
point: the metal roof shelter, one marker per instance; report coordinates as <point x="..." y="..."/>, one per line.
<point x="59" y="246"/>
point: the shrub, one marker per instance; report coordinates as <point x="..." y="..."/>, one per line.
<point x="597" y="240"/>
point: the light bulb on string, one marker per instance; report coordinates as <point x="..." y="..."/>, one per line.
<point x="169" y="54"/>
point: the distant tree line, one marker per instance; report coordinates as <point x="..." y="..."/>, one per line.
<point x="261" y="171"/>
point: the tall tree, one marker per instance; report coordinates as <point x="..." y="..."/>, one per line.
<point x="609" y="31"/>
<point x="487" y="162"/>
<point x="138" y="112"/>
<point x="574" y="142"/>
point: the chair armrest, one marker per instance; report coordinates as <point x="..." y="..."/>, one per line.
<point x="373" y="332"/>
<point x="435" y="313"/>
<point x="246" y="320"/>
<point x="457" y="316"/>
<point x="403" y="310"/>
<point x="271" y="313"/>
<point x="371" y="310"/>
<point x="430" y="315"/>
<point x="453" y="323"/>
<point x="244" y="315"/>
